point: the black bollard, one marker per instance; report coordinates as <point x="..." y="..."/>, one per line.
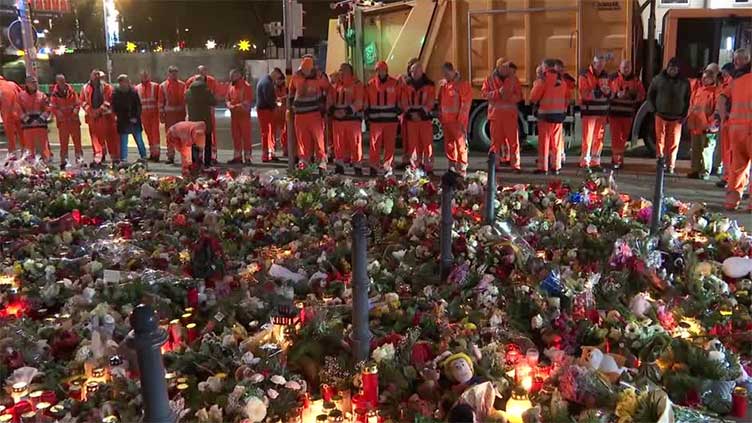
<point x="361" y="334"/>
<point x="292" y="152"/>
<point x="147" y="340"/>
<point x="655" y="221"/>
<point x="448" y="182"/>
<point x="491" y="190"/>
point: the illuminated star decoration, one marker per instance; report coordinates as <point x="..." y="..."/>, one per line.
<point x="130" y="47"/>
<point x="159" y="49"/>
<point x="244" y="45"/>
<point x="211" y="45"/>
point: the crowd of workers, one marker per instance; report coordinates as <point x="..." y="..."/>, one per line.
<point x="715" y="104"/>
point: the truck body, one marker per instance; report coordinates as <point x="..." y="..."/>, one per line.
<point x="473" y="34"/>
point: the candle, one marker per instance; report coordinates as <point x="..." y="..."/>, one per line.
<point x="370" y="378"/>
<point x="110" y="419"/>
<point x="192" y="332"/>
<point x="336" y="416"/>
<point x="75" y="392"/>
<point x="29" y="417"/>
<point x="19" y="390"/>
<point x="517" y="405"/>
<point x="373" y="416"/>
<point x="186" y="317"/>
<point x="739" y="403"/>
<point x="322" y="418"/>
<point x="523" y="374"/>
<point x="57" y="411"/>
<point x="42" y="407"/>
<point x="35" y="397"/>
<point x="192" y="295"/>
<point x="176" y="332"/>
<point x="6" y="418"/>
<point x="532" y="357"/>
<point x="301" y="311"/>
<point x="361" y="416"/>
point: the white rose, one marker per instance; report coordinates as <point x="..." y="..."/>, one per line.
<point x="272" y="394"/>
<point x="384" y="352"/>
<point x="536" y="322"/>
<point x="228" y="341"/>
<point x="257" y="378"/>
<point x="214" y="384"/>
<point x="255" y="409"/>
<point x="591" y="229"/>
<point x="248" y="358"/>
<point x="278" y="380"/>
<point x="293" y="385"/>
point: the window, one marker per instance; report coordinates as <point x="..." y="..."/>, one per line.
<point x="669" y="3"/>
<point x="742" y="2"/>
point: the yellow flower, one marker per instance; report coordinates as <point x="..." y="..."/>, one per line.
<point x="185" y="256"/>
<point x="626" y="405"/>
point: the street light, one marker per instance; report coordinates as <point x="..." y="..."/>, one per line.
<point x="211" y="45"/>
<point x="186" y="30"/>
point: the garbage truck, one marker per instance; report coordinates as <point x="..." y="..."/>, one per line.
<point x="472" y="34"/>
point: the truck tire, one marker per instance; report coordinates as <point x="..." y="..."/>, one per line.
<point x="480" y="129"/>
<point x="438" y="131"/>
<point x="643" y="127"/>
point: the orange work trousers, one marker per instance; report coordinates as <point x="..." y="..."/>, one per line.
<point x="172" y="118"/>
<point x="725" y="150"/>
<point x="36" y="139"/>
<point x="667" y="137"/>
<point x="407" y="146"/>
<point x="550" y="142"/>
<point x="12" y="127"/>
<point x="309" y="131"/>
<point x="185" y="149"/>
<point x="214" y="134"/>
<point x="347" y="140"/>
<point x="266" y="119"/>
<point x="241" y="135"/>
<point x="505" y="140"/>
<point x="150" y="122"/>
<point x="420" y="134"/>
<point x="455" y="144"/>
<point x="383" y="135"/>
<point x="67" y="131"/>
<point x="620" y="133"/>
<point x="738" y="172"/>
<point x="593" y="132"/>
<point x="280" y="127"/>
<point x="104" y="138"/>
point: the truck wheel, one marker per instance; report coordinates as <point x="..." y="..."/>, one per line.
<point x="647" y="131"/>
<point x="480" y="128"/>
<point x="438" y="130"/>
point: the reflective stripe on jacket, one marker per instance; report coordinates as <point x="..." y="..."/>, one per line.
<point x="593" y="101"/>
<point x="383" y="99"/>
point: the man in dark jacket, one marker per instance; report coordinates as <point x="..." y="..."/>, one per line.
<point x="266" y="108"/>
<point x="200" y="102"/>
<point x="127" y="108"/>
<point x="668" y="96"/>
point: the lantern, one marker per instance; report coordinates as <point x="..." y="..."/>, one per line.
<point x="517" y="405"/>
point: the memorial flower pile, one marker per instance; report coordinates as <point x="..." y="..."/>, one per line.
<point x="565" y="309"/>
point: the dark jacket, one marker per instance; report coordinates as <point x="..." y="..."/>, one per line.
<point x="127" y="105"/>
<point x="669" y="97"/>
<point x="266" y="99"/>
<point x="200" y="101"/>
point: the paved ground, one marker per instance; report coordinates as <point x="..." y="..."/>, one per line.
<point x="636" y="178"/>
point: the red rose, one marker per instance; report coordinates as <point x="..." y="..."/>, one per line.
<point x="180" y="219"/>
<point x="421" y="353"/>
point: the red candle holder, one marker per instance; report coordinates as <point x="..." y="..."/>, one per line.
<point x="370" y="377"/>
<point x="192" y="297"/>
<point x="192" y="332"/>
<point x="739" y="403"/>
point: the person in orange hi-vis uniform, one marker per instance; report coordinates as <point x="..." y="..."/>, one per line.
<point x="668" y="96"/>
<point x="382" y="111"/>
<point x="503" y="92"/>
<point x="171" y="104"/>
<point x="33" y="108"/>
<point x="148" y="92"/>
<point x="552" y="95"/>
<point x="722" y="157"/>
<point x="8" y="92"/>
<point x="628" y="93"/>
<point x="594" y="95"/>
<point x="281" y="112"/>
<point x="307" y="96"/>
<point x="65" y="105"/>
<point x="418" y="99"/>
<point x="701" y="124"/>
<point x="406" y="146"/>
<point x="345" y="105"/>
<point x="239" y="103"/>
<point x="266" y="109"/>
<point x="455" y="100"/>
<point x="212" y="84"/>
<point x="735" y="111"/>
<point x="96" y="98"/>
<point x="185" y="137"/>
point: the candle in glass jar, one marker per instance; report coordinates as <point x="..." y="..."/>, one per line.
<point x="532" y="356"/>
<point x="370" y="377"/>
<point x="739" y="404"/>
<point x="19" y="390"/>
<point x="192" y="295"/>
<point x="35" y="397"/>
<point x="373" y="416"/>
<point x="29" y="417"/>
<point x="192" y="332"/>
<point x="6" y="418"/>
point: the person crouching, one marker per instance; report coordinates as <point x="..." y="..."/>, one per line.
<point x="189" y="139"/>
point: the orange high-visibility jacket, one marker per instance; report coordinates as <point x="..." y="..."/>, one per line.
<point x="188" y="133"/>
<point x="500" y="106"/>
<point x="635" y="94"/>
<point x="593" y="101"/>
<point x="347" y="95"/>
<point x="33" y="109"/>
<point x="105" y="108"/>
<point x="171" y="96"/>
<point x="552" y="95"/>
<point x="148" y="92"/>
<point x="383" y="99"/>
<point x="702" y="108"/>
<point x="211" y="83"/>
<point x="419" y="100"/>
<point x="455" y="99"/>
<point x="240" y="97"/>
<point x="307" y="95"/>
<point x="739" y="95"/>
<point x="8" y="92"/>
<point x="65" y="104"/>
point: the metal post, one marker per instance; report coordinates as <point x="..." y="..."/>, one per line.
<point x="30" y="50"/>
<point x="491" y="190"/>
<point x="650" y="65"/>
<point x="147" y="340"/>
<point x="291" y="141"/>
<point x="361" y="335"/>
<point x="448" y="182"/>
<point x="107" y="46"/>
<point x="655" y="221"/>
